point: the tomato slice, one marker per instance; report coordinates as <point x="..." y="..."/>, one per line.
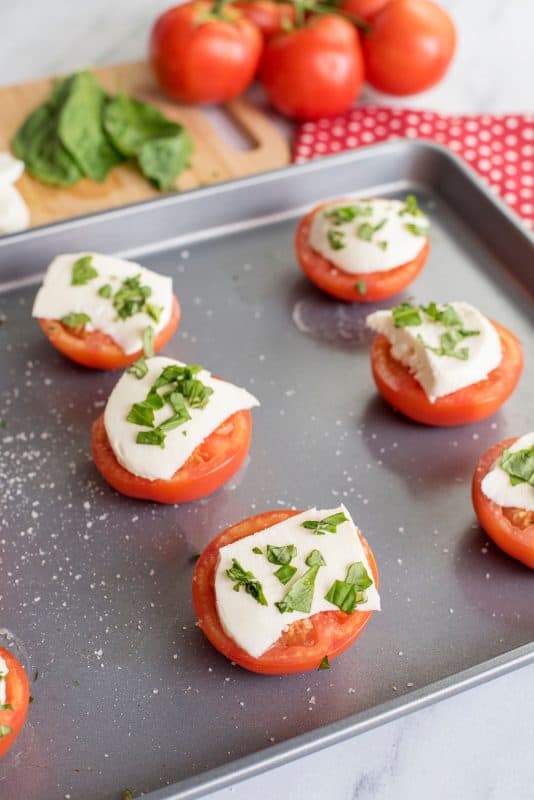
<point x="210" y="466"/>
<point x="471" y="404"/>
<point x="18" y="697"/>
<point x="344" y="285"/>
<point x="98" y="350"/>
<point x="304" y="643"/>
<point x="512" y="529"/>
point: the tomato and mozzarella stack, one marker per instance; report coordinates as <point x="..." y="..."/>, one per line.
<point x="363" y="250"/>
<point x="95" y="308"/>
<point x="503" y="496"/>
<point x="443" y="364"/>
<point x="279" y="592"/>
<point x="172" y="432"/>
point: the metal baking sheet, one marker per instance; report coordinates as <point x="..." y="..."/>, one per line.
<point x="127" y="692"/>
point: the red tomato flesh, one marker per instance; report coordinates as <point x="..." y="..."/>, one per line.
<point x="512" y="529"/>
<point x="17" y="696"/>
<point x="471" y="404"/>
<point x="305" y="643"/>
<point x="210" y="466"/>
<point x="97" y="350"/>
<point x="345" y="285"/>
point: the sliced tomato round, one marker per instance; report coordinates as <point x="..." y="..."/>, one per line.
<point x="98" y="350"/>
<point x="512" y="529"/>
<point x="368" y="287"/>
<point x="210" y="466"/>
<point x="304" y="643"/>
<point x="13" y="712"/>
<point x="471" y="404"/>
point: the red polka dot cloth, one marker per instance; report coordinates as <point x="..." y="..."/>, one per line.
<point x="499" y="148"/>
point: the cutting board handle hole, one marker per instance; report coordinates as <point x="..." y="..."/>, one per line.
<point x="230" y="129"/>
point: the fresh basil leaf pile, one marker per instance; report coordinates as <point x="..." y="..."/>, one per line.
<point x="79" y="131"/>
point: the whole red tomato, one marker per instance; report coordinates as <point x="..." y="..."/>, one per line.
<point x="409" y="47"/>
<point x="204" y="53"/>
<point x="365" y="9"/>
<point x="315" y="70"/>
<point x="267" y="15"/>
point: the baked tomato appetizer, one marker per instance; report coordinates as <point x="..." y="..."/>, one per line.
<point x="286" y="591"/>
<point x="363" y="250"/>
<point x="503" y="496"/>
<point x="172" y="432"/>
<point x="443" y="364"/>
<point x="14" y="699"/>
<point x="96" y="309"/>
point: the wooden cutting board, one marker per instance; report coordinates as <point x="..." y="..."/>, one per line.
<point x="213" y="160"/>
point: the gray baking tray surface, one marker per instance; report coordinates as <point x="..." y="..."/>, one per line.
<point x="127" y="692"/>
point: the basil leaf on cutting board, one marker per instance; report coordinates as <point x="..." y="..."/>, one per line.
<point x="38" y="144"/>
<point x="162" y="147"/>
<point x="80" y="127"/>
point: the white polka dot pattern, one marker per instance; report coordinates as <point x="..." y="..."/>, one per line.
<point x="499" y="148"/>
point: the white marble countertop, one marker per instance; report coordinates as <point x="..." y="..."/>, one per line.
<point x="478" y="745"/>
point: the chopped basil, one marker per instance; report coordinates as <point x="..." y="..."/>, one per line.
<point x="127" y="794"/>
<point x="5" y="730"/>
<point x="6" y="707"/>
<point x="148" y="341"/>
<point x="83" y="271"/>
<point x="242" y="577"/>
<point x="175" y="421"/>
<point x="300" y="596"/>
<point x="326" y="525"/>
<point x="285" y="573"/>
<point x="155" y="437"/>
<point x="257" y="550"/>
<point x="315" y="558"/>
<point x="361" y="287"/>
<point x="141" y="414"/>
<point x="106" y="291"/>
<point x="325" y="663"/>
<point x="184" y="387"/>
<point x="447" y="344"/>
<point x="131" y="297"/>
<point x="448" y="316"/>
<point x="415" y="230"/>
<point x="138" y="369"/>
<point x="348" y="593"/>
<point x="406" y="315"/>
<point x="411" y="207"/>
<point x="281" y="555"/>
<point x="153" y="311"/>
<point x="341" y="214"/>
<point x="365" y="231"/>
<point x="75" y="320"/>
<point x="336" y="239"/>
<point x="519" y="465"/>
<point x="383" y="245"/>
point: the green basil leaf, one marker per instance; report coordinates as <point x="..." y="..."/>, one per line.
<point x="325" y="664"/>
<point x="519" y="465"/>
<point x="361" y="287"/>
<point x="347" y="594"/>
<point x="83" y="271"/>
<point x="141" y="414"/>
<point x="336" y="239"/>
<point x="244" y="578"/>
<point x="415" y="230"/>
<point x="281" y="555"/>
<point x="300" y="596"/>
<point x="154" y="437"/>
<point x="75" y="320"/>
<point x="105" y="291"/>
<point x="285" y="573"/>
<point x="138" y="369"/>
<point x="257" y="550"/>
<point x="315" y="558"/>
<point x="5" y="730"/>
<point x="406" y="315"/>
<point x="326" y="525"/>
<point x="411" y="207"/>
